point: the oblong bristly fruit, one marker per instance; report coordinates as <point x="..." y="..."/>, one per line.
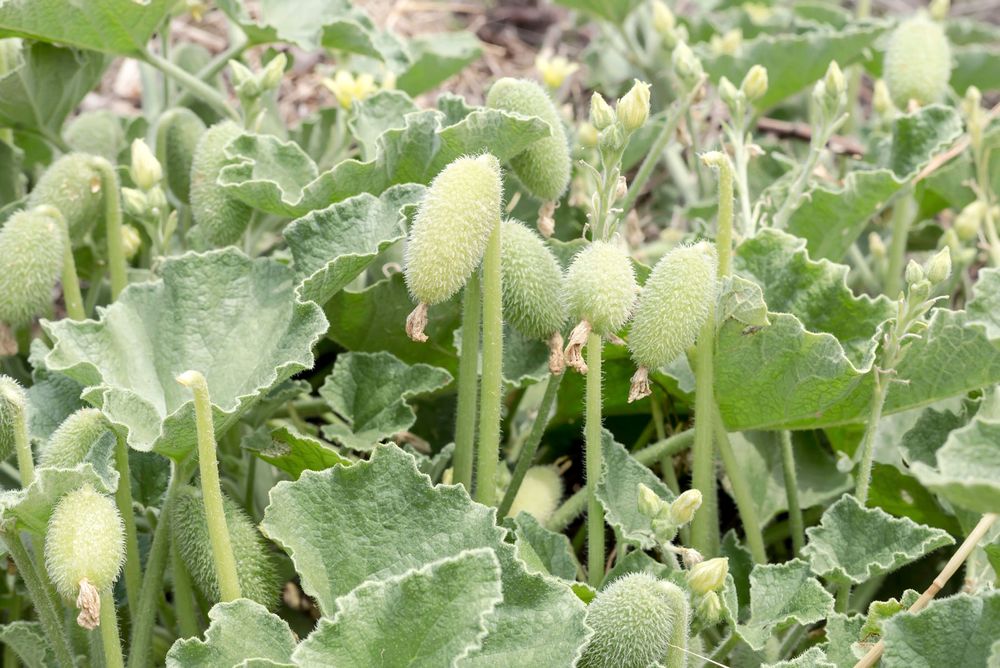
<point x="72" y="185"/>
<point x="539" y="494"/>
<point x="673" y="305"/>
<point x="13" y="403"/>
<point x="917" y="62"/>
<point x="31" y="255"/>
<point x="543" y="167"/>
<point x="633" y="620"/>
<point x="601" y="287"/>
<point x="452" y="226"/>
<point x="70" y="443"/>
<point x="97" y="132"/>
<point x="533" y="284"/>
<point x="84" y="540"/>
<point x="177" y="134"/>
<point x="255" y="568"/>
<point x="221" y="218"/>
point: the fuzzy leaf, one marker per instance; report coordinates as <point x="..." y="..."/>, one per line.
<point x="842" y="632"/>
<point x="984" y="307"/>
<point x="553" y="550"/>
<point x="294" y="452"/>
<point x="781" y="594"/>
<point x="121" y="27"/>
<point x="957" y="631"/>
<point x="976" y="66"/>
<point x="332" y="246"/>
<point x="853" y="543"/>
<point x="811" y="658"/>
<point x="618" y="492"/>
<point x="968" y="467"/>
<point x="238" y="631"/>
<point x="27" y="639"/>
<point x="373" y="115"/>
<point x="232" y="318"/>
<point x="369" y="391"/>
<point x="429" y="616"/>
<point x="380" y="518"/>
<point x="743" y="301"/>
<point x="919" y="136"/>
<point x="268" y="174"/>
<point x="52" y="396"/>
<point x="437" y="57"/>
<point x="793" y="60"/>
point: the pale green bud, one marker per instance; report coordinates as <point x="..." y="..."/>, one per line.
<point x="156" y="200"/>
<point x="601" y="113"/>
<point x="135" y="202"/>
<point x="709" y="609"/>
<point x="709" y="575"/>
<point x="836" y="84"/>
<point x="939" y="267"/>
<point x="633" y="109"/>
<point x="877" y="246"/>
<point x="754" y="84"/>
<point x="145" y="171"/>
<point x="244" y="81"/>
<point x="663" y="19"/>
<point x="270" y="77"/>
<point x="650" y="502"/>
<point x="914" y="273"/>
<point x="601" y="287"/>
<point x="881" y="99"/>
<point x="684" y="507"/>
<point x="970" y="219"/>
<point x="131" y="241"/>
<point x="917" y="64"/>
<point x="686" y="65"/>
<point x="730" y="96"/>
<point x="939" y="9"/>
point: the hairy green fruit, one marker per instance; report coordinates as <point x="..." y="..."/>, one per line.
<point x="601" y="287"/>
<point x="634" y="621"/>
<point x="255" y="568"/>
<point x="221" y="218"/>
<point x="177" y="134"/>
<point x="533" y="301"/>
<point x="543" y="167"/>
<point x="673" y="306"/>
<point x="539" y="494"/>
<point x="84" y="540"/>
<point x="72" y="185"/>
<point x="31" y="255"/>
<point x="13" y="403"/>
<point x="74" y="438"/>
<point x="917" y="62"/>
<point x="452" y="226"/>
<point x="96" y="133"/>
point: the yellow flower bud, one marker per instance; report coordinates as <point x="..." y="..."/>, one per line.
<point x="633" y="109"/>
<point x="683" y="508"/>
<point x="686" y="65"/>
<point x="663" y="19"/>
<point x="729" y="95"/>
<point x="601" y="113"/>
<point x="914" y="273"/>
<point x="131" y="241"/>
<point x="939" y="267"/>
<point x="881" y="100"/>
<point x="708" y="576"/>
<point x="969" y="220"/>
<point x="727" y="44"/>
<point x="754" y="84"/>
<point x="555" y="70"/>
<point x="939" y="9"/>
<point x="650" y="502"/>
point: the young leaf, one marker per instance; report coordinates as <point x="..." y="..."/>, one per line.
<point x="842" y="633"/>
<point x="234" y="318"/>
<point x="435" y="58"/>
<point x="429" y="616"/>
<point x="957" y="631"/>
<point x="968" y="467"/>
<point x="781" y="594"/>
<point x="854" y="544"/>
<point x="27" y="639"/>
<point x="369" y="392"/>
<point x="372" y="116"/>
<point x="553" y="549"/>
<point x="293" y="452"/>
<point x="984" y="307"/>
<point x="238" y="631"/>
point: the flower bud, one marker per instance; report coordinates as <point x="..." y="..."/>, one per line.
<point x="601" y="113"/>
<point x="131" y="241"/>
<point x="601" y="287"/>
<point x="754" y="84"/>
<point x="221" y="218"/>
<point x="939" y="267"/>
<point x="633" y="109"/>
<point x="917" y="64"/>
<point x="881" y="100"/>
<point x="686" y="65"/>
<point x="709" y="575"/>
<point x="240" y="74"/>
<point x="70" y="443"/>
<point x="135" y="202"/>
<point x="539" y="494"/>
<point x="877" y="246"/>
<point x="731" y="97"/>
<point x="533" y="283"/>
<point x="709" y="609"/>
<point x="683" y="508"/>
<point x="271" y="75"/>
<point x="939" y="9"/>
<point x="145" y="171"/>
<point x="31" y="256"/>
<point x="970" y="219"/>
<point x="919" y="291"/>
<point x="156" y="200"/>
<point x="914" y="273"/>
<point x="663" y="19"/>
<point x="836" y="85"/>
<point x="728" y="43"/>
<point x="453" y="223"/>
<point x="649" y="501"/>
<point x="554" y="70"/>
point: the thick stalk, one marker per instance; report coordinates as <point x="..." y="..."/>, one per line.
<point x="48" y="615"/>
<point x="527" y="455"/>
<point x="742" y="493"/>
<point x="211" y="491"/>
<point x="113" y="225"/>
<point x="677" y="655"/>
<point x="123" y="497"/>
<point x="705" y="525"/>
<point x="724" y="233"/>
<point x="792" y="493"/>
<point x="594" y="462"/>
<point x="25" y="463"/>
<point x="198" y="87"/>
<point x="902" y="218"/>
<point x="802" y="180"/>
<point x="490" y="393"/>
<point x="70" y="281"/>
<point x="187" y="620"/>
<point x="468" y="386"/>
<point x="109" y="631"/>
<point x="868" y="441"/>
<point x="667" y="462"/>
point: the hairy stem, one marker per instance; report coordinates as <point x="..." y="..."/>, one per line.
<point x="902" y="217"/>
<point x="22" y="442"/>
<point x="468" y="385"/>
<point x="741" y="489"/>
<point x="792" y="492"/>
<point x="109" y="631"/>
<point x="594" y="463"/>
<point x="70" y="281"/>
<point x="198" y="87"/>
<point x="187" y="620"/>
<point x="677" y="655"/>
<point x="868" y="441"/>
<point x="530" y="447"/>
<point x="490" y="394"/>
<point x="705" y="525"/>
<point x="211" y="491"/>
<point x="113" y="225"/>
<point x="123" y="498"/>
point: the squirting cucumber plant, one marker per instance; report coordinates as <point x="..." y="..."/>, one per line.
<point x="568" y="333"/>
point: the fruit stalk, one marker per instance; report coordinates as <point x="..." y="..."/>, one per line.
<point x="594" y="462"/>
<point x="113" y="223"/>
<point x="468" y="385"/>
<point x="123" y="498"/>
<point x="490" y="394"/>
<point x="795" y="522"/>
<point x="741" y="489"/>
<point x="109" y="631"/>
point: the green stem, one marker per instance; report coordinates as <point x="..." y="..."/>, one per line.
<point x="70" y="281"/>
<point x="193" y="84"/>
<point x="530" y="447"/>
<point x="666" y="462"/>
<point x="594" y="462"/>
<point x="742" y="493"/>
<point x="48" y="615"/>
<point x="468" y="386"/>
<point x="490" y="394"/>
<point x="212" y="68"/>
<point x="677" y="654"/>
<point x="819" y="139"/>
<point x="574" y="505"/>
<point x="25" y="463"/>
<point x="211" y="491"/>
<point x="868" y="441"/>
<point x="724" y="233"/>
<point x="902" y="218"/>
<point x="792" y="492"/>
<point x="705" y="525"/>
<point x="109" y="631"/>
<point x="123" y="497"/>
<point x="843" y="597"/>
<point x="248" y="490"/>
<point x="113" y="223"/>
<point x="187" y="619"/>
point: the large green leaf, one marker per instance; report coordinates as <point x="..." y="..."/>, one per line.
<point x="853" y="543"/>
<point x="842" y="635"/>
<point x="374" y="115"/>
<point x="238" y="631"/>
<point x="380" y="518"/>
<point x="370" y="392"/>
<point x="984" y="307"/>
<point x="234" y="319"/>
<point x="437" y="57"/>
<point x="968" y="467"/>
<point x="121" y="27"/>
<point x="957" y="631"/>
<point x="553" y="550"/>
<point x="47" y="85"/>
<point x="793" y="60"/>
<point x="976" y="66"/>
<point x="332" y="246"/>
<point x="781" y="594"/>
<point x="429" y="616"/>
<point x="27" y="639"/>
